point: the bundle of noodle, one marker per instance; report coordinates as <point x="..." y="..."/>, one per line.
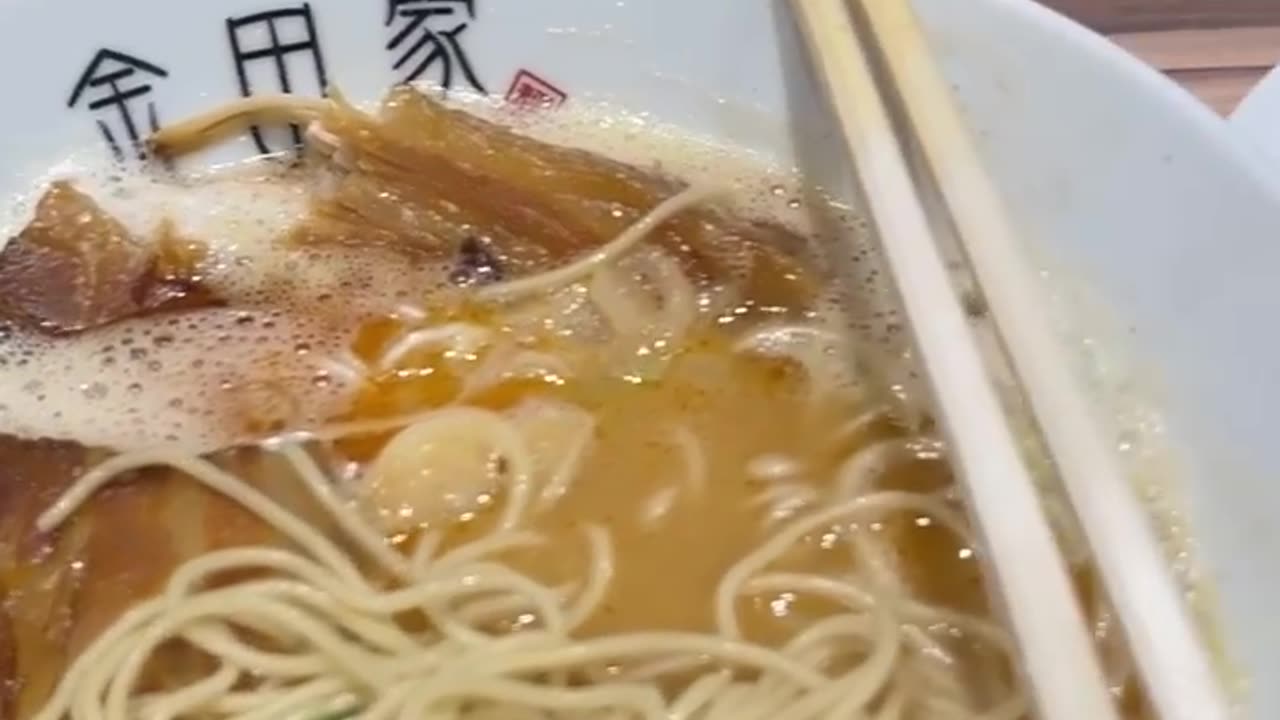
<point x="64" y="588"/>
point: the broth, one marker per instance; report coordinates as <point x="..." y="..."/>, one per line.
<point x="656" y="422"/>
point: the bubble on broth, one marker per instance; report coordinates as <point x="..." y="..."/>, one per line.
<point x="178" y="380"/>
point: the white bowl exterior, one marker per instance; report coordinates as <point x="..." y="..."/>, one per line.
<point x="1109" y="169"/>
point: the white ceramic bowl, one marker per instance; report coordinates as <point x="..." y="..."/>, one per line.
<point x="1113" y="173"/>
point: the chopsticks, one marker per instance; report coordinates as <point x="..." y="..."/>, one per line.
<point x="1030" y="575"/>
<point x="1170" y="656"/>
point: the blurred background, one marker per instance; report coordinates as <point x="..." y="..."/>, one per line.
<point x="1218" y="49"/>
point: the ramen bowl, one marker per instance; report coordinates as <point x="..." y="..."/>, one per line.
<point x="1155" y="231"/>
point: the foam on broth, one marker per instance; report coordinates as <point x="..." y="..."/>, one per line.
<point x="241" y="212"/>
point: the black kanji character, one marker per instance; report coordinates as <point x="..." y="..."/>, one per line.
<point x="427" y="36"/>
<point x="269" y="39"/>
<point x="114" y="79"/>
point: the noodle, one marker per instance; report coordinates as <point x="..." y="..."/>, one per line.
<point x="553" y="279"/>
<point x="374" y="544"/>
<point x="215" y="479"/>
<point x="598" y="578"/>
<point x="612" y="289"/>
<point x="459" y="338"/>
<point x="233" y="119"/>
<point x="505" y="364"/>
<point x="372" y="658"/>
<point x="694" y="459"/>
<point x="862" y="469"/>
<point x="550" y="427"/>
<point x="773" y="468"/>
<point x="822" y="352"/>
<point x="194" y="696"/>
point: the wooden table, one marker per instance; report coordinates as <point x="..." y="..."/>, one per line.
<point x="1216" y="48"/>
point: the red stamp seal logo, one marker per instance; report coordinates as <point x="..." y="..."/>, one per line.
<point x="530" y="91"/>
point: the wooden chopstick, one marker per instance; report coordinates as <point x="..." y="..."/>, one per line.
<point x="1171" y="658"/>
<point x="1030" y="575"/>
